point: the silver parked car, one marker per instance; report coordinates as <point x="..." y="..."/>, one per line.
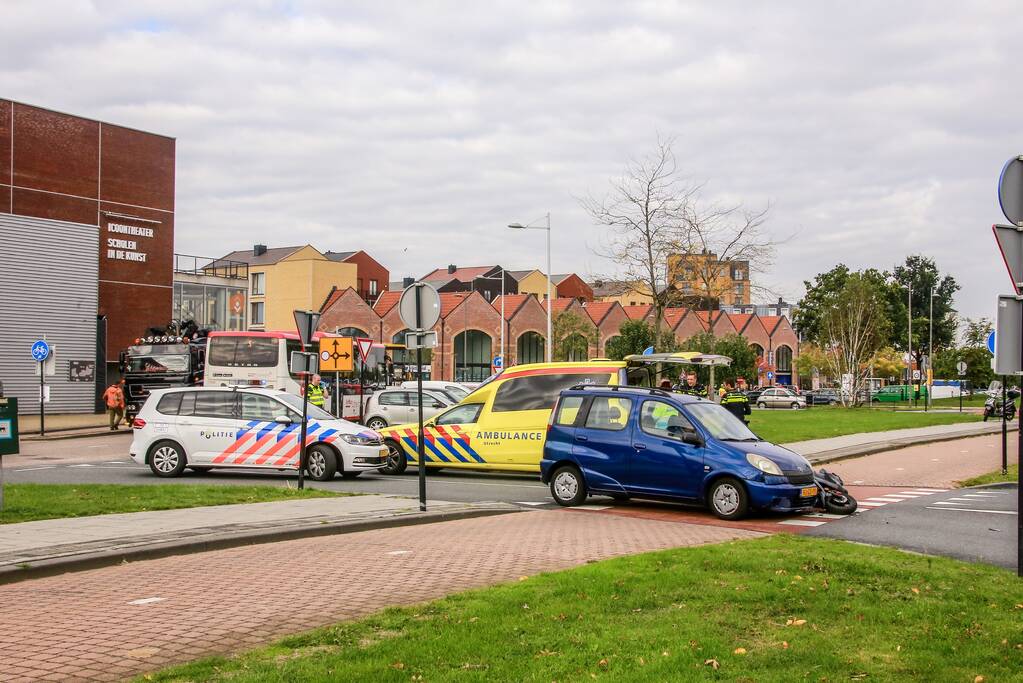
<point x="391" y="407"/>
<point x="776" y="397"/>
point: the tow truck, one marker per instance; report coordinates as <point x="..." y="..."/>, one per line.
<point x="162" y="361"/>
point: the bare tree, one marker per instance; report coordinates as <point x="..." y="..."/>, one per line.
<point x="645" y="210"/>
<point x="856" y="327"/>
<point x="716" y="241"/>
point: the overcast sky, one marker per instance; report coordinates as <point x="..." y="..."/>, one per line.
<point x="418" y="130"/>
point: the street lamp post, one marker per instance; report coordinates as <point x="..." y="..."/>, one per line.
<point x="930" y="351"/>
<point x="550" y="299"/>
<point x="909" y="342"/>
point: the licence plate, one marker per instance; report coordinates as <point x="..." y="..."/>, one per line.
<point x="808" y="492"/>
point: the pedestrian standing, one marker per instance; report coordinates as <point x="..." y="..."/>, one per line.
<point x="735" y="402"/>
<point x="114" y="399"/>
<point x="317" y="394"/>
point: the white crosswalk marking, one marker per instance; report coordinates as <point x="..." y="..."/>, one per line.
<point x="801" y="522"/>
<point x="872" y="504"/>
<point x="990" y="512"/>
<point x="884" y="499"/>
<point x="823" y="515"/>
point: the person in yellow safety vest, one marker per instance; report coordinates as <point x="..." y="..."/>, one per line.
<point x="317" y="396"/>
<point x="691" y="386"/>
<point x="735" y="402"/>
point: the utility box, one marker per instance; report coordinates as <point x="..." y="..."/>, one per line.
<point x="8" y="426"/>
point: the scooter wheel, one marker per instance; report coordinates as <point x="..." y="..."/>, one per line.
<point x="846" y="507"/>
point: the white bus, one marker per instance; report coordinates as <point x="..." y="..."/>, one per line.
<point x="251" y="359"/>
<point x="262" y="359"/>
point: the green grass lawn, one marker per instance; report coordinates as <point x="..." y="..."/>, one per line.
<point x="975" y="401"/>
<point x="782" y="608"/>
<point x="993" y="477"/>
<point x="787" y="426"/>
<point x="28" y="502"/>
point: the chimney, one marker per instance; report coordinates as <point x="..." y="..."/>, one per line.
<point x="407" y="282"/>
<point x="258" y="249"/>
<point x="452" y="268"/>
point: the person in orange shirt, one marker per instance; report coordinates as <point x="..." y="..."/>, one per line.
<point x="114" y="398"/>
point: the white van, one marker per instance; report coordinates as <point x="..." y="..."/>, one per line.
<point x="206" y="427"/>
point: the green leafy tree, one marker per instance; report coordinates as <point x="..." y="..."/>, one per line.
<point x="635" y="336"/>
<point x="922" y="274"/>
<point x="572" y="336"/>
<point x="977" y="332"/>
<point x="812" y="357"/>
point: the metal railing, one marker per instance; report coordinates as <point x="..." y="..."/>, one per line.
<point x="211" y="267"/>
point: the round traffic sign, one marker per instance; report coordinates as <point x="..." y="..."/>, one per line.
<point x="961" y="367"/>
<point x="429" y="302"/>
<point x="498" y="362"/>
<point x="1010" y="190"/>
<point x="40" y="350"/>
<point x="991" y="341"/>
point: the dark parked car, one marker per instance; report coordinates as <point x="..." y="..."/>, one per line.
<point x="823" y="397"/>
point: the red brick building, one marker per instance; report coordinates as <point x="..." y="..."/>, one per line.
<point x="72" y="170"/>
<point x="372" y="278"/>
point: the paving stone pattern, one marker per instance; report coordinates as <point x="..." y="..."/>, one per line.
<point x="83" y="626"/>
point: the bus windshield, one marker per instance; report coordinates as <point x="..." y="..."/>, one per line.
<point x="244" y="352"/>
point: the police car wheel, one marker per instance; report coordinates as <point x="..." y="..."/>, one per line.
<point x="376" y="423"/>
<point x="396" y="461"/>
<point x="568" y="487"/>
<point x="728" y="499"/>
<point x="320" y="463"/>
<point x="167" y="459"/>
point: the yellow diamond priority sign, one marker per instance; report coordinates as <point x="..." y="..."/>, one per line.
<point x="336" y="354"/>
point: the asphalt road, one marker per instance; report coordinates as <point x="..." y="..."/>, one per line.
<point x="975" y="524"/>
<point x="104" y="460"/>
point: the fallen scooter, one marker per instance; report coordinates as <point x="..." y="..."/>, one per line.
<point x="831" y="494"/>
<point x="993" y="406"/>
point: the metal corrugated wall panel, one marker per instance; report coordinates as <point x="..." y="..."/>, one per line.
<point x="49" y="285"/>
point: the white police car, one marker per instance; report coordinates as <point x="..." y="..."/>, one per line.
<point x="207" y="427"/>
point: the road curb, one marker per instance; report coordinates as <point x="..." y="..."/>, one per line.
<point x="107" y="558"/>
<point x="58" y="435"/>
<point x="893" y="444"/>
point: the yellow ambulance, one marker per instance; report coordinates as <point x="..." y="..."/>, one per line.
<point x="502" y="425"/>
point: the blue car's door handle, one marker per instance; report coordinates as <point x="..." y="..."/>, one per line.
<point x="580" y="437"/>
<point x="639" y="446"/>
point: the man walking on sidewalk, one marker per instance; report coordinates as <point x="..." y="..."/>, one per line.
<point x="114" y="398"/>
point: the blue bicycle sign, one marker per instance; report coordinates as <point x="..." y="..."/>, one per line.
<point x="40" y="351"/>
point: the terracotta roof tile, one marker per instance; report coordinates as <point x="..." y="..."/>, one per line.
<point x="560" y="304"/>
<point x="512" y="303"/>
<point x="386" y="301"/>
<point x="598" y="310"/>
<point x="740" y="320"/>
<point x="637" y="312"/>
<point x="449" y="301"/>
<point x="460" y="274"/>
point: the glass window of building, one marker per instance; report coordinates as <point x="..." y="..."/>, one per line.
<point x="372" y="287"/>
<point x="258" y="284"/>
<point x="257" y="313"/>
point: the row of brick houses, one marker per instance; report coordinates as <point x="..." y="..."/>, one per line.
<point x="469" y="331"/>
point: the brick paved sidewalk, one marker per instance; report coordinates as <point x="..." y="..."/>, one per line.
<point x="116" y="622"/>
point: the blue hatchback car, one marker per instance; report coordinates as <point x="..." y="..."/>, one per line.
<point x="648" y="443"/>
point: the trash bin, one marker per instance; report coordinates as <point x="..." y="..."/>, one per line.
<point x="8" y="426"/>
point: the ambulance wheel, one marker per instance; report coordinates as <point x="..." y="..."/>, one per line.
<point x="167" y="459"/>
<point x="568" y="486"/>
<point x="321" y="463"/>
<point x="396" y="460"/>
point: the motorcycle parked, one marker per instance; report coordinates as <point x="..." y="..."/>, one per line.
<point x="832" y="495"/>
<point x="993" y="406"/>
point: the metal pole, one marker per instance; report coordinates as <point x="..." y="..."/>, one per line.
<point x="362" y="386"/>
<point x="337" y="395"/>
<point x="419" y="400"/>
<point x="550" y="298"/>
<point x="1005" y="429"/>
<point x="305" y="414"/>
<point x="42" y="395"/>
<point x="930" y="351"/>
<point x="1019" y="484"/>
<point x="503" y="322"/>
<point x="909" y="344"/>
